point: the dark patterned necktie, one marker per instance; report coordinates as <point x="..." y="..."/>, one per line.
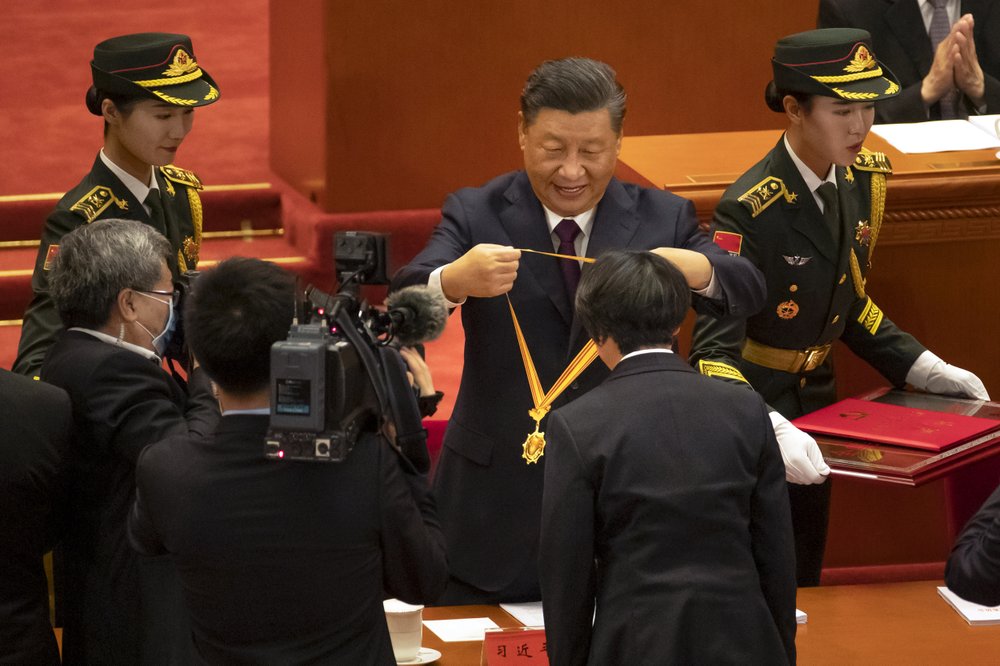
<point x="567" y="231"/>
<point x="156" y="211"/>
<point x="940" y="27"/>
<point x="831" y="208"/>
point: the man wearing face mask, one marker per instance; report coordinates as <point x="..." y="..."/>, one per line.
<point x="112" y="287"/>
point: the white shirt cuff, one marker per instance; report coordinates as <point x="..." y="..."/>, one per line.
<point x="712" y="291"/>
<point x="434" y="284"/>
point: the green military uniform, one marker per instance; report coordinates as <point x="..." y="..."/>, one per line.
<point x="815" y="283"/>
<point x="101" y="195"/>
<point x="155" y="66"/>
<point x="815" y="266"/>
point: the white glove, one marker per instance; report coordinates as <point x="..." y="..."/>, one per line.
<point x="804" y="463"/>
<point x="929" y="373"/>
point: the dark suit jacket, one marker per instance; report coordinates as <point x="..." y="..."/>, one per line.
<point x="973" y="570"/>
<point x="488" y="497"/>
<point x="286" y="562"/>
<point x="35" y="426"/>
<point x="119" y="608"/>
<point x="101" y="195"/>
<point x="665" y="503"/>
<point x="900" y="40"/>
<point x="791" y="243"/>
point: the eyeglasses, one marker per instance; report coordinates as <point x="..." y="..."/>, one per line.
<point x="174" y="295"/>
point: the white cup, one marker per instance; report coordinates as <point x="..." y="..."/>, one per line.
<point x="405" y="628"/>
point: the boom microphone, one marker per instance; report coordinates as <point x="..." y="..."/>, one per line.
<point x="418" y="314"/>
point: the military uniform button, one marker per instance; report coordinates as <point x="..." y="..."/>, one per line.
<point x="793" y="288"/>
<point x="836" y="318"/>
<point x="842" y="278"/>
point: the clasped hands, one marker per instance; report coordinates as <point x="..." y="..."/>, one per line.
<point x="955" y="65"/>
<point x="490" y="270"/>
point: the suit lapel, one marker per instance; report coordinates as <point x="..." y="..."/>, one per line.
<point x="850" y="215"/>
<point x="804" y="215"/>
<point x="906" y="21"/>
<point x="524" y="221"/>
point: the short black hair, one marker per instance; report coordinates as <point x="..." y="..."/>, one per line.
<point x="235" y="312"/>
<point x="638" y="299"/>
<point x="574" y="85"/>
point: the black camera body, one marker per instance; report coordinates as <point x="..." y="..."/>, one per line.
<point x="337" y="375"/>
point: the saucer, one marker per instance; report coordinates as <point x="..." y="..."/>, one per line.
<point x="425" y="656"/>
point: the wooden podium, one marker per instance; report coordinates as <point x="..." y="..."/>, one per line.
<point x="935" y="274"/>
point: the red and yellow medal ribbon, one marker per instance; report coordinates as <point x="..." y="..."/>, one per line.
<point x="534" y="445"/>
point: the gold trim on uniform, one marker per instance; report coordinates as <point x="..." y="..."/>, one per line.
<point x="854" y="96"/>
<point x="181" y="65"/>
<point x="788" y="309"/>
<point x="765" y="193"/>
<point x="155" y="83"/>
<point x="848" y="174"/>
<point x="869" y="160"/>
<point x="785" y="360"/>
<point x="847" y="78"/>
<point x="717" y="369"/>
<point x="182" y="176"/>
<point x="871" y="317"/>
<point x="96" y="201"/>
<point x="212" y="93"/>
<point x="176" y="101"/>
<point x="892" y="89"/>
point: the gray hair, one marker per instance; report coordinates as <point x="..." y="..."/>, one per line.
<point x="574" y="85"/>
<point x="96" y="261"/>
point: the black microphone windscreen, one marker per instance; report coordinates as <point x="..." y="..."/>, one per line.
<point x="419" y="313"/>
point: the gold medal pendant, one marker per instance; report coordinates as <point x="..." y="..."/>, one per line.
<point x="534" y="446"/>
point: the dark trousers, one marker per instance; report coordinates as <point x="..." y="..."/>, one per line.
<point x="810" y="519"/>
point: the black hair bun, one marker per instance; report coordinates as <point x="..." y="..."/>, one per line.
<point x="93" y="101"/>
<point x="773" y="99"/>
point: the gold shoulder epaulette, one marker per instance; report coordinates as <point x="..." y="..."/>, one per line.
<point x="869" y="160"/>
<point x="182" y="176"/>
<point x="765" y="193"/>
<point x="95" y="202"/>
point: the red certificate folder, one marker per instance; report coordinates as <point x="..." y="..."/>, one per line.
<point x="895" y="424"/>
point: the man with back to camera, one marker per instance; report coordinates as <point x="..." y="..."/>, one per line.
<point x="36" y="421"/>
<point x="670" y="514"/>
<point x="281" y="561"/>
<point x="564" y="201"/>
<point x="946" y="53"/>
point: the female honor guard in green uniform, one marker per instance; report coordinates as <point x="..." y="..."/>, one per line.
<point x="146" y="87"/>
<point x="808" y="216"/>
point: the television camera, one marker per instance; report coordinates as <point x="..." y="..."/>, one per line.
<point x="339" y="373"/>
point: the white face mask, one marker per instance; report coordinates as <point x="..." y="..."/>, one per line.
<point x="160" y="341"/>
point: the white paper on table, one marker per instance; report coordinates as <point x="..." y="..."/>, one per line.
<point x="800" y="617"/>
<point x="937" y="136"/>
<point x="973" y="613"/>
<point x="530" y="614"/>
<point x="464" y="629"/>
<point x="989" y="123"/>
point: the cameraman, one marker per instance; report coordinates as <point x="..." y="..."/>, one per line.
<point x="281" y="562"/>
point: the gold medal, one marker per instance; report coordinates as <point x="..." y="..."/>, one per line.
<point x="534" y="446"/>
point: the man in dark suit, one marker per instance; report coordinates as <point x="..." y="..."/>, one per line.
<point x="35" y="426"/>
<point x="665" y="501"/>
<point x="973" y="570"/>
<point x="114" y="293"/>
<point x="565" y="200"/>
<point x="282" y="562"/>
<point x="960" y="76"/>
